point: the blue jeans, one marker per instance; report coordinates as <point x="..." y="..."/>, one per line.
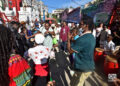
<point x="64" y="45"/>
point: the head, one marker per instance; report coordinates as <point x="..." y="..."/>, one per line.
<point x="39" y="38"/>
<point x="64" y="24"/>
<point x="15" y="25"/>
<point x="74" y="31"/>
<point x="81" y="24"/>
<point x="73" y="25"/>
<point x="109" y="38"/>
<point x="87" y="26"/>
<point x="7" y="44"/>
<point x="101" y="25"/>
<point x="24" y="30"/>
<point x="57" y="25"/>
<point x="104" y="27"/>
<point x="47" y="26"/>
<point x="53" y="26"/>
<point x="36" y="25"/>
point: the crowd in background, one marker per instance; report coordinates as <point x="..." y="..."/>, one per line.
<point x="21" y="42"/>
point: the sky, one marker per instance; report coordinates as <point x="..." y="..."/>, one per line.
<point x="54" y="4"/>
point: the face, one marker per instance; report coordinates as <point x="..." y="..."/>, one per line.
<point x="84" y="27"/>
<point x="24" y="31"/>
<point x="57" y="25"/>
<point x="101" y="25"/>
<point x="64" y="23"/>
<point x="15" y="26"/>
<point x="109" y="38"/>
<point x="73" y="24"/>
<point x="47" y="26"/>
<point x="105" y="27"/>
<point x="74" y="32"/>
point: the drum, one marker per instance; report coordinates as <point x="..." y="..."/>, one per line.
<point x="98" y="54"/>
<point x="110" y="65"/>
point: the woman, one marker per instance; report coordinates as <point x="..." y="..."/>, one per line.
<point x="39" y="54"/>
<point x="14" y="70"/>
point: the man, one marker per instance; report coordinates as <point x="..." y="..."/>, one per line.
<point x="98" y="32"/>
<point x="72" y="26"/>
<point x="103" y="37"/>
<point x="48" y="32"/>
<point x="63" y="35"/>
<point x="83" y="48"/>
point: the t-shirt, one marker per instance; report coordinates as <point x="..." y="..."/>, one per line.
<point x="109" y="46"/>
<point x="103" y="35"/>
<point x="57" y="32"/>
<point x="64" y="32"/>
<point x="48" y="42"/>
<point x="98" y="31"/>
<point x="84" y="47"/>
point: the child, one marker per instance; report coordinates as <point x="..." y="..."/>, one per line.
<point x="55" y="41"/>
<point x="109" y="46"/>
<point x="39" y="54"/>
<point x="75" y="37"/>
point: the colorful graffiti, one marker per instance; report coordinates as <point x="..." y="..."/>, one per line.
<point x="101" y="9"/>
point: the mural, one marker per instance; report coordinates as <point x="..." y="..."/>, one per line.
<point x="102" y="10"/>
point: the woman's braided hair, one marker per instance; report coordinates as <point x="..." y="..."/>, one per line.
<point x="6" y="47"/>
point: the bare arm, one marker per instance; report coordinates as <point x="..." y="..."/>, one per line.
<point x="69" y="45"/>
<point x="116" y="35"/>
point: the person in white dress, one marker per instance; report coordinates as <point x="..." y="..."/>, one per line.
<point x="40" y="54"/>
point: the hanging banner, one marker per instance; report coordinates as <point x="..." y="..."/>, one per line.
<point x="74" y="16"/>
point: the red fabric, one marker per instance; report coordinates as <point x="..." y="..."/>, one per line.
<point x="16" y="68"/>
<point x="12" y="83"/>
<point x="14" y="73"/>
<point x="41" y="70"/>
<point x="110" y="67"/>
<point x="62" y="35"/>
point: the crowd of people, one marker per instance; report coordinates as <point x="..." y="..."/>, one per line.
<point x="39" y="41"/>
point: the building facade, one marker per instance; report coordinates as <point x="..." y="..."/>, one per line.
<point x="24" y="10"/>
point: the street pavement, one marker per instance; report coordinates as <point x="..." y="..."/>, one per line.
<point x="60" y="72"/>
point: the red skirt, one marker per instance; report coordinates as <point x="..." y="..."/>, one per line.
<point x="41" y="69"/>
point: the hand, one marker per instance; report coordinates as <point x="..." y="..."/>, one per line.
<point x="51" y="83"/>
<point x="46" y="32"/>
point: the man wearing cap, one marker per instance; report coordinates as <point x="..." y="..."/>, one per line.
<point x="39" y="54"/>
